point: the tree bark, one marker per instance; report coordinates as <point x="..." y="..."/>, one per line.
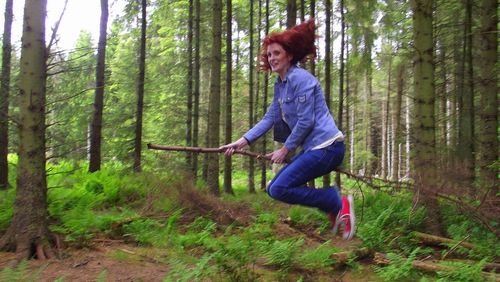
<point x="28" y="232"/>
<point x="96" y="125"/>
<point x="214" y="99"/>
<point x="196" y="78"/>
<point x="340" y="116"/>
<point x="424" y="123"/>
<point x="229" y="104"/>
<point x="465" y="148"/>
<point x="4" y="94"/>
<point x="328" y="69"/>
<point x="140" y="91"/>
<point x="291" y="13"/>
<point x="263" y="179"/>
<point x="396" y="122"/>
<point x="189" y="90"/>
<point x="312" y="15"/>
<point x="251" y="162"/>
<point x="488" y="111"/>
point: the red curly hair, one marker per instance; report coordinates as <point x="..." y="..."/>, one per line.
<point x="297" y="41"/>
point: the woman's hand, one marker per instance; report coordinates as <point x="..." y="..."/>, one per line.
<point x="237" y="145"/>
<point x="279" y="156"/>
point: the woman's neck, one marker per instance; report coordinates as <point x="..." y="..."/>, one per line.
<point x="283" y="73"/>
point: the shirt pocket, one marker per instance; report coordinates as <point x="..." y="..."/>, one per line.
<point x="289" y="108"/>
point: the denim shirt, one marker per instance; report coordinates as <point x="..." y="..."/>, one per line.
<point x="300" y="102"/>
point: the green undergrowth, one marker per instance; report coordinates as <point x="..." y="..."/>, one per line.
<point x="387" y="224"/>
<point x="148" y="210"/>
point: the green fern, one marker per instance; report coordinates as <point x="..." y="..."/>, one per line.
<point x="181" y="271"/>
<point x="18" y="273"/>
<point x="282" y="253"/>
<point x="464" y="272"/>
<point x="317" y="257"/>
<point x="399" y="268"/>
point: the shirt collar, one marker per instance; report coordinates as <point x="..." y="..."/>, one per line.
<point x="278" y="79"/>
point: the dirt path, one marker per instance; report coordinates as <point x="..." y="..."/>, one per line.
<point x="115" y="262"/>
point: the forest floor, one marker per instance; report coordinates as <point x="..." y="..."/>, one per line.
<point x="158" y="230"/>
<point x="104" y="259"/>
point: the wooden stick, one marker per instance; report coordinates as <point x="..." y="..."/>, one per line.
<point x="206" y="150"/>
<point x="246" y="153"/>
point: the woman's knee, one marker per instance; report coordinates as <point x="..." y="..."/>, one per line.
<point x="276" y="191"/>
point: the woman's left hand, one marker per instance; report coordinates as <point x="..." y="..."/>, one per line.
<point x="279" y="156"/>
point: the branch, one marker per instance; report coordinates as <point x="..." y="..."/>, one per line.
<point x="206" y="150"/>
<point x="436" y="240"/>
<point x="56" y="27"/>
<point x="246" y="153"/>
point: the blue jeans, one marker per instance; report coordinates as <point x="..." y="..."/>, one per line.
<point x="289" y="185"/>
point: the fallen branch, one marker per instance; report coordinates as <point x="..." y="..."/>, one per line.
<point x="441" y="241"/>
<point x="343" y="257"/>
<point x="432" y="267"/>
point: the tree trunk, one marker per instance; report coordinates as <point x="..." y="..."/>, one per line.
<point x="140" y="91"/>
<point x="196" y="78"/>
<point x="302" y="10"/>
<point x="263" y="179"/>
<point x="312" y="15"/>
<point x="328" y="68"/>
<point x="291" y="13"/>
<point x="189" y="92"/>
<point x="396" y="122"/>
<point x="28" y="232"/>
<point x="214" y="99"/>
<point x="465" y="148"/>
<point x="424" y="123"/>
<point x="4" y="94"/>
<point x="340" y="116"/>
<point x="442" y="115"/>
<point x="96" y="126"/>
<point x="251" y="162"/>
<point x="488" y="81"/>
<point x="229" y="104"/>
<point x="371" y="129"/>
<point x="386" y="151"/>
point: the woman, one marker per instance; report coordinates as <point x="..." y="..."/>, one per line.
<point x="300" y="118"/>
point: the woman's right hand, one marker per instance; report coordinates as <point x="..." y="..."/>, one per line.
<point x="237" y="145"/>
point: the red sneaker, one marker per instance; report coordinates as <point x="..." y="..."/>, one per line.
<point x="347" y="218"/>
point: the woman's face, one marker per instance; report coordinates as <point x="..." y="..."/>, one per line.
<point x="278" y="59"/>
